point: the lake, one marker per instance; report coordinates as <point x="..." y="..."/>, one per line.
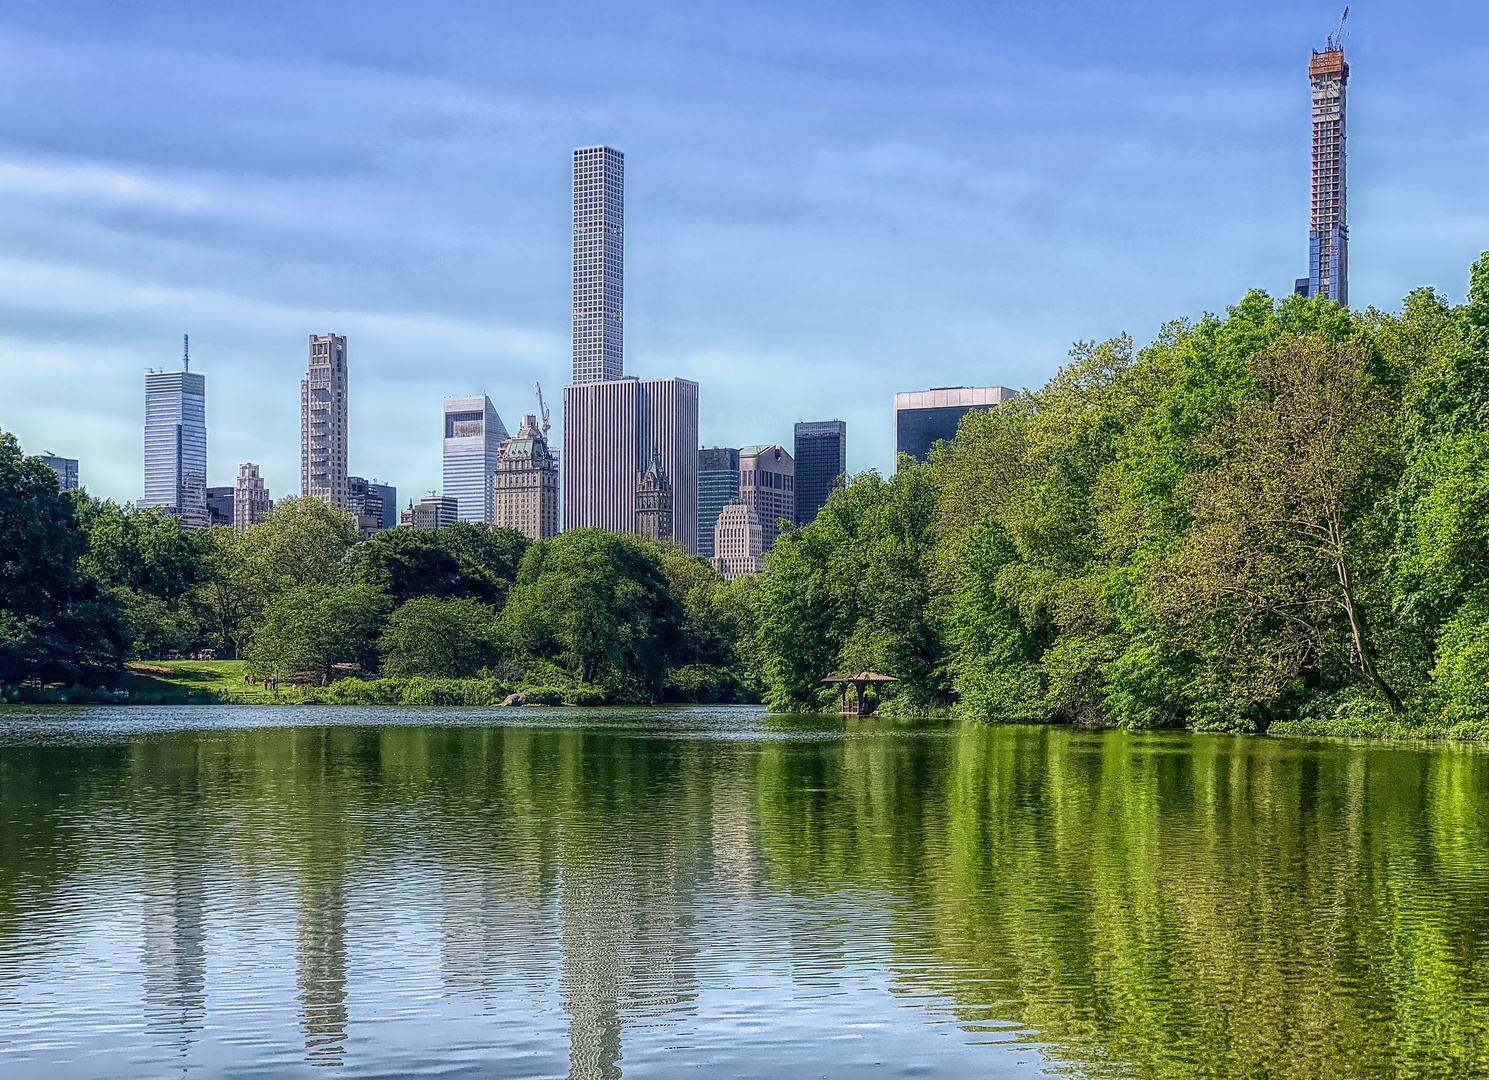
<point x="257" y="892"/>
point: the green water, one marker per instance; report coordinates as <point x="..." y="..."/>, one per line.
<point x="717" y="892"/>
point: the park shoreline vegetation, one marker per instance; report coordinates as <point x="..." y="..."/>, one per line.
<point x="1272" y="521"/>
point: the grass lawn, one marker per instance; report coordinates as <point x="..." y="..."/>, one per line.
<point x="219" y="676"/>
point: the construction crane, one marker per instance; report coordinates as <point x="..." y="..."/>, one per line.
<point x="544" y="408"/>
<point x="1336" y="39"/>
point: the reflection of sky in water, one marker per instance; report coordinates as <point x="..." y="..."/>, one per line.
<point x="709" y="892"/>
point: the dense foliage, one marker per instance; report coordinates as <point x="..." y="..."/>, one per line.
<point x="1276" y="517"/>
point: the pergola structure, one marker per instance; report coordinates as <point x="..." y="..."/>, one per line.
<point x="863" y="679"/>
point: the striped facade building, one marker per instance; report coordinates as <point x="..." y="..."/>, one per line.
<point x="611" y="430"/>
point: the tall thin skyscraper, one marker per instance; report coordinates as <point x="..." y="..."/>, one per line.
<point x="474" y="434"/>
<point x="323" y="433"/>
<point x="176" y="443"/>
<point x="599" y="264"/>
<point x="821" y="462"/>
<point x="1328" y="238"/>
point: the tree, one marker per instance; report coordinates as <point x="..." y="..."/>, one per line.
<point x="301" y="541"/>
<point x="450" y="639"/>
<point x="55" y="623"/>
<point x="315" y="627"/>
<point x="228" y="596"/>
<point x="1282" y="539"/>
<point x="599" y="604"/>
<point x="461" y="560"/>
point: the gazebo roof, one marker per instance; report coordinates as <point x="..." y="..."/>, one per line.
<point x="861" y="677"/>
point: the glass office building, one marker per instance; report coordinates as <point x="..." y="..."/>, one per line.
<point x="923" y="418"/>
<point x="474" y="434"/>
<point x="718" y="485"/>
<point x="66" y="469"/>
<point x="821" y="462"/>
<point x="176" y="445"/>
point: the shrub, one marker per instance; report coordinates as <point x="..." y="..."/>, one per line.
<point x="585" y="695"/>
<point x="543" y="695"/>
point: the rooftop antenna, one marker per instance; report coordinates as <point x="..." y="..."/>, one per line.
<point x="1336" y="39"/>
<point x="542" y="409"/>
<point x="185" y="352"/>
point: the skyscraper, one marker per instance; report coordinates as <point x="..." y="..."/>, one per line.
<point x="474" y="434"/>
<point x="654" y="501"/>
<point x="1328" y="236"/>
<point x="610" y="432"/>
<point x="599" y="264"/>
<point x="220" y="505"/>
<point x="718" y="484"/>
<point x="66" y="469"/>
<point x="176" y="443"/>
<point x="323" y="429"/>
<point x="923" y="418"/>
<point x="739" y="541"/>
<point x="250" y="496"/>
<point x="821" y="461"/>
<point x="365" y="501"/>
<point x="524" y="487"/>
<point x="767" y="484"/>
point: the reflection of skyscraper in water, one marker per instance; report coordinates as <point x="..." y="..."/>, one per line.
<point x="322" y="961"/>
<point x="629" y="948"/>
<point x="175" y="949"/>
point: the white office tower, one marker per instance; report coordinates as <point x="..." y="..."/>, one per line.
<point x="250" y="497"/>
<point x="473" y="438"/>
<point x="323" y="434"/>
<point x="738" y="541"/>
<point x="599" y="264"/>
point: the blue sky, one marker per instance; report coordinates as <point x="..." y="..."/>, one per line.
<point x="826" y="202"/>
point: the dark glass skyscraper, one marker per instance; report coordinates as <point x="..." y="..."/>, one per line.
<point x="718" y="483"/>
<point x="821" y="461"/>
<point x="923" y="418"/>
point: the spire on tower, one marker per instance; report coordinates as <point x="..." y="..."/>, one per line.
<point x="185" y="352"/>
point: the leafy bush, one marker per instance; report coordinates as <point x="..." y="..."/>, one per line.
<point x="415" y="692"/>
<point x="544" y="695"/>
<point x="700" y="683"/>
<point x="586" y="695"/>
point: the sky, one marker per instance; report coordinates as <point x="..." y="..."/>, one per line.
<point x="825" y="202"/>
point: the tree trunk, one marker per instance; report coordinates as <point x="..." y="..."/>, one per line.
<point x="1357" y="634"/>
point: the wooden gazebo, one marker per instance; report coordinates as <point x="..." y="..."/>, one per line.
<point x="855" y="707"/>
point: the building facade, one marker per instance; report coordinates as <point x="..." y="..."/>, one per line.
<point x="474" y="434"/>
<point x="250" y="496"/>
<point x="599" y="264"/>
<point x="1328" y="234"/>
<point x="176" y="444"/>
<point x="323" y="427"/>
<point x="432" y="512"/>
<point x="923" y="418"/>
<point x="821" y="465"/>
<point x="718" y="484"/>
<point x="524" y="487"/>
<point x="365" y="501"/>
<point x="738" y="541"/>
<point x="767" y="484"/>
<point x="220" y="505"/>
<point x="66" y="469"/>
<point x="610" y="432"/>
<point x="654" y="501"/>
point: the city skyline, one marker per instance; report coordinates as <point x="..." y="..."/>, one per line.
<point x="743" y="263"/>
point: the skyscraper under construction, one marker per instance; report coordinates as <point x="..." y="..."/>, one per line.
<point x="1328" y="239"/>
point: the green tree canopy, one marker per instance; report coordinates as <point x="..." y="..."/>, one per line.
<point x="437" y="638"/>
<point x="600" y="605"/>
<point x="314" y="627"/>
<point x="461" y="560"/>
<point x="55" y="624"/>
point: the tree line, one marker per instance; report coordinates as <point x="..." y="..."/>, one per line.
<point x="86" y="585"/>
<point x="1275" y="517"/>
